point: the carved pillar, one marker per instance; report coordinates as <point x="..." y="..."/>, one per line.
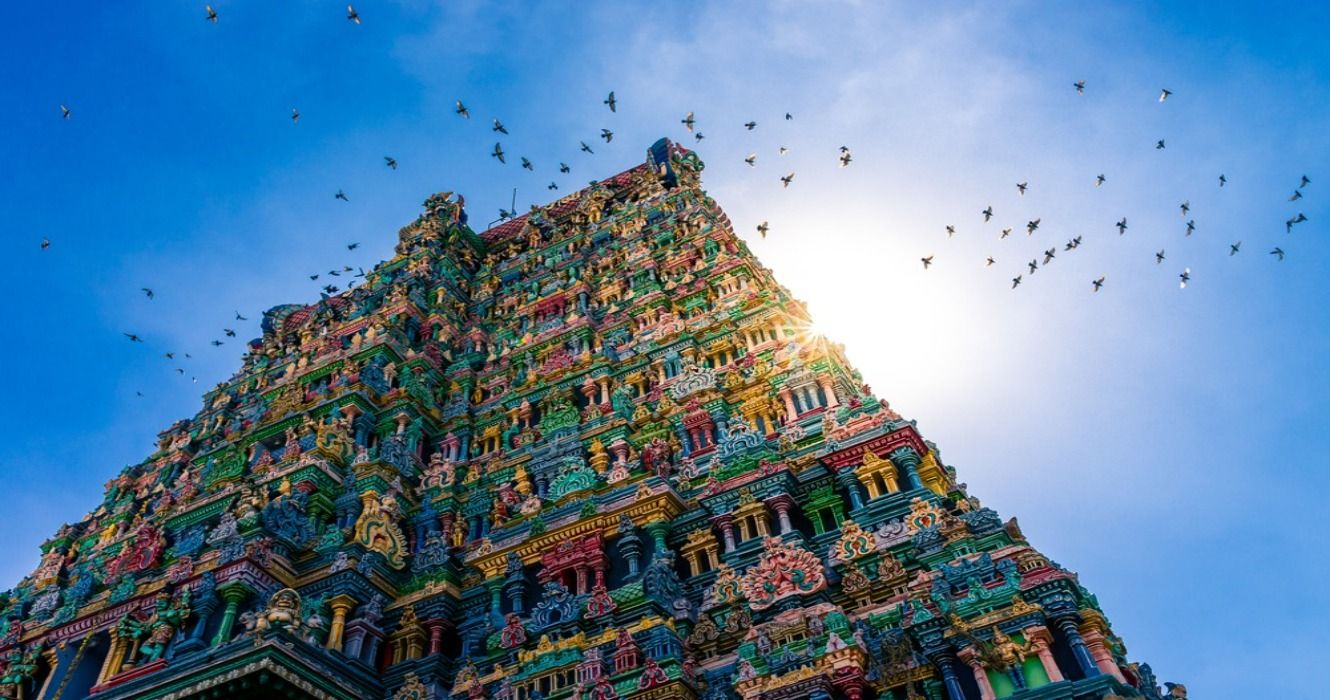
<point x="435" y="636"/>
<point x="1103" y="658"/>
<point x="203" y="610"/>
<point x="848" y="480"/>
<point x="233" y="593"/>
<point x="726" y="525"/>
<point x="114" y="656"/>
<point x="1067" y="625"/>
<point x="971" y="658"/>
<point x="658" y="530"/>
<point x="907" y="460"/>
<point x="782" y="504"/>
<point x="945" y="662"/>
<point x="829" y="389"/>
<point x="341" y="606"/>
<point x="1042" y="639"/>
<point x="790" y="411"/>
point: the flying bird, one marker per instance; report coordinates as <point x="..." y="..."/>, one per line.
<point x="1279" y="252"/>
<point x="1031" y="227"/>
<point x="1016" y="281"/>
<point x="1222" y="179"/>
<point x="586" y="147"/>
<point x="1049" y="255"/>
<point x="951" y="230"/>
<point x="352" y="15"/>
<point x="217" y="343"/>
<point x="498" y="152"/>
<point x="1099" y="181"/>
<point x="212" y="14"/>
<point x="607" y="135"/>
<point x="1159" y="145"/>
<point x="1305" y="181"/>
<point x="1185" y="207"/>
<point x="1005" y="232"/>
<point x="352" y="246"/>
<point x="1033" y="265"/>
<point x="1122" y="226"/>
<point x="783" y="150"/>
<point x="988" y="213"/>
<point x="1163" y="94"/>
<point x="1233" y="248"/>
<point x="133" y="338"/>
<point x="240" y="318"/>
<point x="46" y="243"/>
<point x="462" y="111"/>
<point x="762" y="228"/>
<point x="611" y="101"/>
<point x="787" y="179"/>
<point x="229" y="333"/>
<point x="699" y="136"/>
<point x="390" y="162"/>
<point x="148" y="293"/>
<point x="1297" y="194"/>
<point x="527" y="164"/>
<point x="989" y="262"/>
<point x="1080" y="87"/>
<point x="341" y="195"/>
<point x="1159" y="257"/>
<point x="169" y="356"/>
<point x="926" y="261"/>
<point x="563" y="168"/>
<point x="750" y="125"/>
<point x="313" y="277"/>
<point x="1020" y="187"/>
<point x="751" y="160"/>
<point x="788" y="116"/>
<point x="1191" y="226"/>
<point x="180" y="371"/>
<point x="65" y="112"/>
<point x="552" y="186"/>
<point x="1099" y="282"/>
<point x="499" y="127"/>
<point x="688" y="121"/>
<point x="845" y="159"/>
<point x="1184" y="278"/>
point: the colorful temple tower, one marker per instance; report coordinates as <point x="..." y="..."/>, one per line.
<point x="591" y="453"/>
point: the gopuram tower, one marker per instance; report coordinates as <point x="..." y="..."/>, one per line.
<point x="590" y="453"/>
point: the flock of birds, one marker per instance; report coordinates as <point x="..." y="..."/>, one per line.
<point x="844" y="158"/>
<point x="1098" y="283"/>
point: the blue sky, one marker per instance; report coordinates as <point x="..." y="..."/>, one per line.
<point x="1170" y="445"/>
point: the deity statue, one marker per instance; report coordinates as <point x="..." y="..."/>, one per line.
<point x="513" y="633"/>
<point x="377" y="527"/>
<point x="168" y="615"/>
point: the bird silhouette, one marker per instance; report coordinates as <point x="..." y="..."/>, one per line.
<point x="1021" y="187"/>
<point x="1184" y="278"/>
<point x="1222" y="180"/>
<point x="229" y="333"/>
<point x="352" y="15"/>
<point x="762" y="228"/>
<point x="1049" y="255"/>
<point x="783" y="150"/>
<point x="240" y="318"/>
<point x="1159" y="257"/>
<point x="212" y="14"/>
<point x="688" y="121"/>
<point x="341" y="195"/>
<point x="607" y="135"/>
<point x="352" y="246"/>
<point x="527" y="164"/>
<point x="1233" y="248"/>
<point x="951" y="230"/>
<point x="926" y="261"/>
<point x="988" y="214"/>
<point x="1080" y="87"/>
<point x="313" y="277"/>
<point x="148" y="293"/>
<point x="180" y="371"/>
<point x="46" y="243"/>
<point x="788" y="116"/>
<point x="133" y="338"/>
<point x="1191" y="226"/>
<point x="295" y="116"/>
<point x="1031" y="227"/>
<point x="586" y="147"/>
<point x="1159" y="145"/>
<point x="1005" y="232"/>
<point x="390" y="162"/>
<point x="552" y="186"/>
<point x="1297" y="194"/>
<point x="169" y="356"/>
<point x="1016" y="281"/>
<point x="217" y="343"/>
<point x="751" y="160"/>
<point x="563" y="168"/>
<point x="65" y="112"/>
<point x="1033" y="265"/>
<point x="699" y="136"/>
<point x="1164" y="93"/>
<point x="1278" y="251"/>
<point x="750" y="125"/>
<point x="786" y="180"/>
<point x="498" y="152"/>
<point x="499" y="127"/>
<point x="1099" y="181"/>
<point x="845" y="158"/>
<point x="1099" y="283"/>
<point x="462" y="111"/>
<point x="989" y="261"/>
<point x="1185" y="207"/>
<point x="1122" y="226"/>
<point x="611" y="101"/>
<point x="1305" y="182"/>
